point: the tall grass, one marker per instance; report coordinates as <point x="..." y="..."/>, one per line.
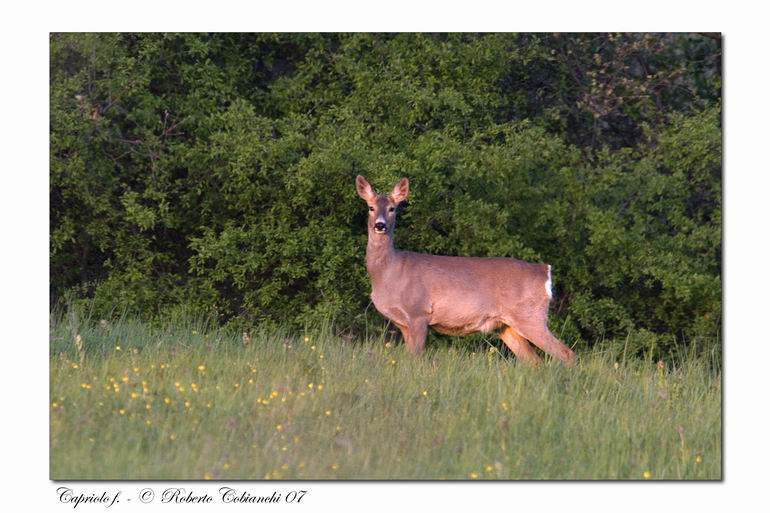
<point x="190" y="401"/>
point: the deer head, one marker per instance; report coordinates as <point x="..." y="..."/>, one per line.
<point x="382" y="208"/>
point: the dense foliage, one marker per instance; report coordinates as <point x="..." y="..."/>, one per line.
<point x="214" y="174"/>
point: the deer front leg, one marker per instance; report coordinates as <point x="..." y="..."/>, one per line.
<point x="404" y="331"/>
<point x="417" y="330"/>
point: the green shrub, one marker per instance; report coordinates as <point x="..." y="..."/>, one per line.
<point x="214" y="173"/>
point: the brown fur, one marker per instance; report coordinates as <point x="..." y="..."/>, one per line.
<point x="455" y="295"/>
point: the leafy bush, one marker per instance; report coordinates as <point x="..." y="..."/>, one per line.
<point x="214" y="173"/>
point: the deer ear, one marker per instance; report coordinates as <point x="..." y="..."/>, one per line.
<point x="364" y="189"/>
<point x="400" y="191"/>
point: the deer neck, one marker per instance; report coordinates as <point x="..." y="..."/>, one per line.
<point x="380" y="253"/>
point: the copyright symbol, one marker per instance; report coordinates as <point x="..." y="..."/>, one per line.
<point x="146" y="495"/>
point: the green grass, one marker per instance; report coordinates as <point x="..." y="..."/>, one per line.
<point x="188" y="402"/>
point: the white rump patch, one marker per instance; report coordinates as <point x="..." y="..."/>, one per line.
<point x="548" y="284"/>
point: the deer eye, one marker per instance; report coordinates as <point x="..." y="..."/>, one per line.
<point x="371" y="209"/>
<point x="391" y="209"/>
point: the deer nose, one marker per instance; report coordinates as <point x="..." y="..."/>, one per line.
<point x="380" y="226"/>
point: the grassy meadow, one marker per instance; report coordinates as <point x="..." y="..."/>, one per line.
<point x="132" y="401"/>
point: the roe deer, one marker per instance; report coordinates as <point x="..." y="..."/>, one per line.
<point x="455" y="295"/>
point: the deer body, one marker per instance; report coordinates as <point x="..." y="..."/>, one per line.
<point x="455" y="295"/>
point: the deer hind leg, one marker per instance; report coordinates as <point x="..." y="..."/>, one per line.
<point x="537" y="332"/>
<point x="519" y="346"/>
